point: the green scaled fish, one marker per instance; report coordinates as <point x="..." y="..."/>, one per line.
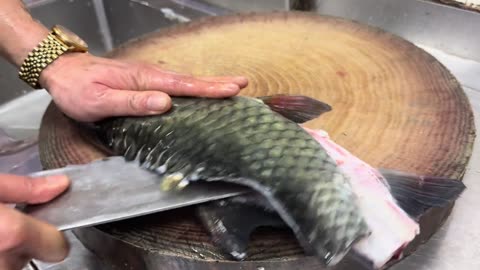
<point x="252" y="142"/>
<point x="332" y="201"/>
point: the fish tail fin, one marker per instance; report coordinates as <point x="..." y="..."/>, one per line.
<point x="299" y="109"/>
<point x="417" y="194"/>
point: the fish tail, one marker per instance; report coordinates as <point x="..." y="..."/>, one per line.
<point x="417" y="194"/>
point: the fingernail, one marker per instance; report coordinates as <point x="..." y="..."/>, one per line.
<point x="231" y="87"/>
<point x="156" y="103"/>
<point x="241" y="80"/>
<point x="55" y="180"/>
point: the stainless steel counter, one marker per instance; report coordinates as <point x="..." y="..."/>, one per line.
<point x="456" y="246"/>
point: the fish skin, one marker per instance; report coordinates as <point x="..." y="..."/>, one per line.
<point x="392" y="203"/>
<point x="241" y="140"/>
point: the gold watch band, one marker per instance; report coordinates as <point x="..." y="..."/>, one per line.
<point x="45" y="53"/>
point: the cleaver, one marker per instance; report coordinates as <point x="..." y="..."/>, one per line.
<point x="114" y="189"/>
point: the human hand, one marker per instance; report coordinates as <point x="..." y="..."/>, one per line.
<point x="89" y="88"/>
<point x="22" y="237"/>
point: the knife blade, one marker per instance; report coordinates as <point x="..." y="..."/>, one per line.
<point x="114" y="189"/>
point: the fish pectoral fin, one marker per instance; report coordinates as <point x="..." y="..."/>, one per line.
<point x="417" y="194"/>
<point x="230" y="222"/>
<point x="299" y="109"/>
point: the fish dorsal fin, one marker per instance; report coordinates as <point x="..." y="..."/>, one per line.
<point x="417" y="194"/>
<point x="299" y="109"/>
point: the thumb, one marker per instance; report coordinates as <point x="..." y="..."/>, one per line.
<point x="135" y="103"/>
<point x="23" y="189"/>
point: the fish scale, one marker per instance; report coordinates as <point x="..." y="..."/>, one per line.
<point x="241" y="140"/>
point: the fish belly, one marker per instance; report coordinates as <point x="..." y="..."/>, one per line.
<point x="391" y="228"/>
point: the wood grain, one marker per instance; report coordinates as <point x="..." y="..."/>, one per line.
<point x="394" y="106"/>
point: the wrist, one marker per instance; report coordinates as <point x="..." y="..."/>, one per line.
<point x="28" y="43"/>
<point x="59" y="41"/>
<point x="50" y="75"/>
<point x="20" y="34"/>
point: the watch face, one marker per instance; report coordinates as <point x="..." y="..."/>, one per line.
<point x="70" y="38"/>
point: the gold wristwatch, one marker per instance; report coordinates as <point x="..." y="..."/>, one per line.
<point x="59" y="41"/>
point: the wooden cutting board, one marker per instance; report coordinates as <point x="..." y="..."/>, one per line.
<point x="394" y="106"/>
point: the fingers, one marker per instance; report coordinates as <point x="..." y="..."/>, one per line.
<point x="242" y="82"/>
<point x="25" y="237"/>
<point x="12" y="262"/>
<point x="125" y="102"/>
<point x="154" y="78"/>
<point x="89" y="93"/>
<point x="22" y="189"/>
<point x="182" y="85"/>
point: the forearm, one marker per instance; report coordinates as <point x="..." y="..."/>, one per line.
<point x="19" y="32"/>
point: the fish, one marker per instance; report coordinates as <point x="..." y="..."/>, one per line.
<point x="392" y="202"/>
<point x="259" y="142"/>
